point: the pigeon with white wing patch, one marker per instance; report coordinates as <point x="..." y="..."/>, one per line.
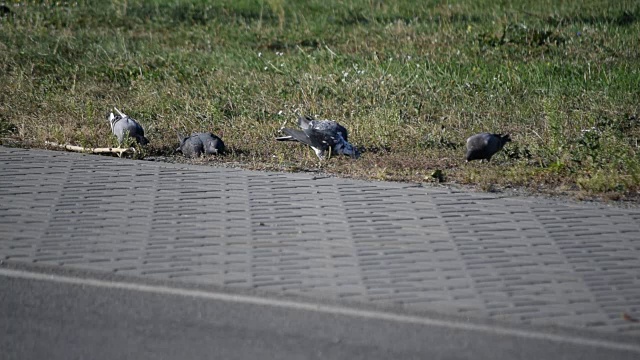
<point x="323" y="136"/>
<point x="122" y="126"/>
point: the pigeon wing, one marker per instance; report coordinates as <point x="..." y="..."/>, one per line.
<point x="321" y="139"/>
<point x="330" y="127"/>
<point x="120" y="129"/>
<point x="297" y="135"/>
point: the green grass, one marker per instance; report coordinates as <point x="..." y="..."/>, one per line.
<point x="411" y="80"/>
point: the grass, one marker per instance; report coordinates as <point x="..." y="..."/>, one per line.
<point x="411" y="80"/>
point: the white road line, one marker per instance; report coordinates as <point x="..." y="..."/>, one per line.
<point x="320" y="308"/>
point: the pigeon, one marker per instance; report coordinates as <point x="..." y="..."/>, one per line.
<point x="485" y="145"/>
<point x="322" y="136"/>
<point x="200" y="143"/>
<point x="4" y="10"/>
<point x="122" y="125"/>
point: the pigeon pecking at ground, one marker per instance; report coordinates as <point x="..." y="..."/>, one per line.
<point x="485" y="145"/>
<point x="122" y="125"/>
<point x="322" y="136"/>
<point x="200" y="143"/>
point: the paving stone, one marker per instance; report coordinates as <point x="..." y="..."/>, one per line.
<point x="515" y="259"/>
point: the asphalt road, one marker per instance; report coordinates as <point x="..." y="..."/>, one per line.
<point x="67" y="318"/>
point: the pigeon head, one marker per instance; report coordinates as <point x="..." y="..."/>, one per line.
<point x="212" y="143"/>
<point x="346" y="148"/>
<point x="142" y="140"/>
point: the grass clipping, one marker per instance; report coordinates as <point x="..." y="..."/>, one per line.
<point x="109" y="150"/>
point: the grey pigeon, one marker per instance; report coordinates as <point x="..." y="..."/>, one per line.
<point x="485" y="145"/>
<point x="200" y="143"/>
<point x="322" y="136"/>
<point x="122" y="125"/>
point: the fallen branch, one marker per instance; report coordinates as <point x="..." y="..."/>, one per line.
<point x="110" y="150"/>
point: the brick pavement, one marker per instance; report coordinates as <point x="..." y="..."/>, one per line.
<point x="517" y="259"/>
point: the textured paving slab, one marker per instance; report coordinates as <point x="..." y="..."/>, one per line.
<point x="516" y="259"/>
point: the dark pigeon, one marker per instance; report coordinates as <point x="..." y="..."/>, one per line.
<point x="200" y="143"/>
<point x="4" y="10"/>
<point x="322" y="136"/>
<point x="122" y="125"/>
<point x="484" y="145"/>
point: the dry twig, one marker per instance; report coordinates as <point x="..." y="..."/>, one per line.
<point x="109" y="150"/>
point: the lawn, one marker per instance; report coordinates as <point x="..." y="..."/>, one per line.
<point x="410" y="80"/>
